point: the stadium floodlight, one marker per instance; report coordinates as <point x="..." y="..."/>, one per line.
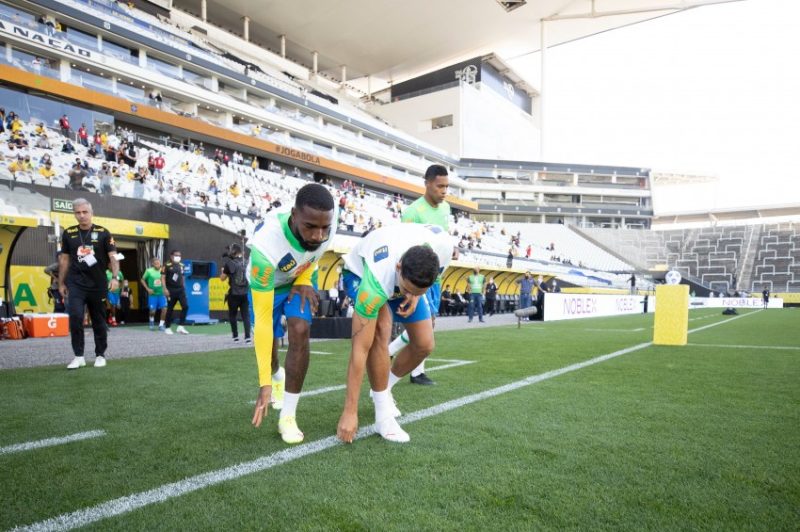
<point x="511" y="5"/>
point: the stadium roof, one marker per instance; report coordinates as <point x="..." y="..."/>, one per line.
<point x="392" y="41"/>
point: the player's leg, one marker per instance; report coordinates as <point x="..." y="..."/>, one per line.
<point x="278" y="332"/>
<point x="184" y="312"/>
<point x="76" y="301"/>
<point x="96" y="304"/>
<point x="233" y="311"/>
<point x="162" y="303"/>
<point x="378" y="370"/>
<point x="171" y="302"/>
<point x="152" y="303"/>
<point x="434" y="297"/>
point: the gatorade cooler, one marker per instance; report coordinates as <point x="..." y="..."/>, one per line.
<point x="46" y="325"/>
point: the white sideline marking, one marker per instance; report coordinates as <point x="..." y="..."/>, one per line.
<point x="50" y="442"/>
<point x="284" y="349"/>
<point x="615" y="330"/>
<point x="778" y="347"/>
<point x="453" y="364"/>
<point x="128" y="503"/>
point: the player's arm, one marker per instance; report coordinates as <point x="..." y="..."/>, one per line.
<point x="143" y="282"/>
<point x="304" y="286"/>
<point x="262" y="289"/>
<point x="363" y="335"/>
<point x="164" y="280"/>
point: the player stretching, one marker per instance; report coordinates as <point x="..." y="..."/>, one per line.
<point x="429" y="209"/>
<point x="385" y="275"/>
<point x="284" y="253"/>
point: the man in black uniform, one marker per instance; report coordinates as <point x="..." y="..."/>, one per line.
<point x="175" y="289"/>
<point x="765" y="297"/>
<point x="87" y="250"/>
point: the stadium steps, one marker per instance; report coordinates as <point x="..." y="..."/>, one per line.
<point x="636" y="260"/>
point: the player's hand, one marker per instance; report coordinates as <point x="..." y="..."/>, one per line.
<point x="307" y="295"/>
<point x="348" y="426"/>
<point x="62" y="289"/>
<point x="262" y="405"/>
<point x="407" y="306"/>
<point x="166" y="293"/>
<point x="114" y="285"/>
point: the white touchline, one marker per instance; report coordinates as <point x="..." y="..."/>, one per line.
<point x="453" y="364"/>
<point x="282" y="350"/>
<point x="163" y="493"/>
<point x="777" y="347"/>
<point x="50" y="442"/>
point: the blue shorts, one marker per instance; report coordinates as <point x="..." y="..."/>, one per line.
<point x="422" y="312"/>
<point x="281" y="306"/>
<point x="156" y="302"/>
<point x="434" y="297"/>
<point x="113" y="299"/>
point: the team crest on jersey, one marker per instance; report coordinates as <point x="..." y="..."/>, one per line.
<point x="380" y="253"/>
<point x="287" y="263"/>
<point x="94" y="235"/>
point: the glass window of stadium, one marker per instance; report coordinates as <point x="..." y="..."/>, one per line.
<point x="17" y="16"/>
<point x="120" y="52"/>
<point x="81" y="38"/>
<point x="37" y="109"/>
<point x="154" y="63"/>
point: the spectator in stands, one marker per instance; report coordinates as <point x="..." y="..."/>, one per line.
<point x="528" y="252"/>
<point x="97" y="141"/>
<point x="254" y="163"/>
<point x="42" y="142"/>
<point x="234" y="190"/>
<point x="15" y="167"/>
<point x="83" y="136"/>
<point x="510" y="258"/>
<point x="350" y="220"/>
<point x="105" y="179"/>
<point x="67" y="147"/>
<point x="110" y="153"/>
<point x="76" y="176"/>
<point x="40" y="129"/>
<point x="47" y="172"/>
<point x="63" y="124"/>
<point x="139" y="179"/>
<point x="554" y="286"/>
<point x="158" y="164"/>
<point x="253" y="209"/>
<point x="45" y="159"/>
<point x="155" y="98"/>
<point x="2" y="119"/>
<point x="256" y="131"/>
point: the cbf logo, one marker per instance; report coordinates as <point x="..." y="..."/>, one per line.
<point x="380" y="254"/>
<point x="287" y="263"/>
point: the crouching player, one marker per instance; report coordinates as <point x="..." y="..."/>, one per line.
<point x="284" y="253"/>
<point x="385" y="274"/>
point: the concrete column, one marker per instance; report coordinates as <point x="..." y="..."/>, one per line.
<point x="283" y="46"/>
<point x="575" y="180"/>
<point x="228" y="120"/>
<point x="542" y="91"/>
<point x="246" y="28"/>
<point x="314" y="62"/>
<point x="142" y="58"/>
<point x="99" y="42"/>
<point x="64" y="66"/>
<point x="204" y="10"/>
<point x="214" y="84"/>
<point x="614" y="179"/>
<point x="344" y="74"/>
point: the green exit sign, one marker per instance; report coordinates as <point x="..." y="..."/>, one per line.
<point x="62" y="205"/>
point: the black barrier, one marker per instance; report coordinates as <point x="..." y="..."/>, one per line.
<point x="331" y="328"/>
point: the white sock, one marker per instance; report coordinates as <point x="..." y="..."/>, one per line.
<point x="279" y="375"/>
<point x="393" y="379"/>
<point x="398" y="343"/>
<point x="161" y="323"/>
<point x="383" y="404"/>
<point x="289" y="404"/>
<point x="152" y="321"/>
<point x="419" y="370"/>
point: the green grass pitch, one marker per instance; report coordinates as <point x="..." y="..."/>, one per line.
<point x="705" y="436"/>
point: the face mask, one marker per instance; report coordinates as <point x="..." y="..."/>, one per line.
<point x="176" y="259"/>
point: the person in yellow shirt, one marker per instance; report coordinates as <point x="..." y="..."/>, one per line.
<point x="16" y="125"/>
<point x="39" y="129"/>
<point x="185" y="166"/>
<point x="254" y="164"/>
<point x="104" y="139"/>
<point x="257" y="130"/>
<point x="47" y="171"/>
<point x="234" y="190"/>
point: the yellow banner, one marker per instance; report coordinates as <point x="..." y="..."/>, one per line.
<point x="118" y="226"/>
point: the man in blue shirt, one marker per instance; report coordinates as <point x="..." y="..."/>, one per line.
<point x="525" y="289"/>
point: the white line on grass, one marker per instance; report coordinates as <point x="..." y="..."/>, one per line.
<point x="778" y="347"/>
<point x="50" y="442"/>
<point x="283" y="350"/>
<point x="453" y="364"/>
<point x="615" y="330"/>
<point x="128" y="503"/>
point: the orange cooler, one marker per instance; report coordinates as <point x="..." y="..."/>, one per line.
<point x="45" y="325"/>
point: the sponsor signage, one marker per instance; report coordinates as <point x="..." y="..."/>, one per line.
<point x="735" y="302"/>
<point x="41" y="38"/>
<point x="572" y="306"/>
<point x="297" y="154"/>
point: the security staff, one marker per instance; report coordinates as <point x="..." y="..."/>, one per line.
<point x="86" y="251"/>
<point x="174" y="284"/>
